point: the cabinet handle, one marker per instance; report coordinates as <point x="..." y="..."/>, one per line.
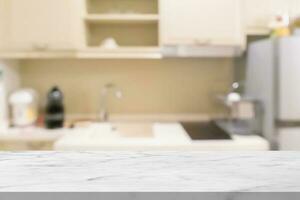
<point x="202" y="42"/>
<point x="41" y="47"/>
<point x="188" y="41"/>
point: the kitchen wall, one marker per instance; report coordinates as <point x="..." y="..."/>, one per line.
<point x="149" y="86"/>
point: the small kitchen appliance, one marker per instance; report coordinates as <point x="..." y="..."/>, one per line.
<point x="24" y="107"/>
<point x="54" y="115"/>
<point x="9" y="81"/>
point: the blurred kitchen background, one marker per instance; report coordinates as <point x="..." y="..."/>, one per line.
<point x="149" y="75"/>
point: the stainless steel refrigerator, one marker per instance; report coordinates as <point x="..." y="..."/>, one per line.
<point x="273" y="78"/>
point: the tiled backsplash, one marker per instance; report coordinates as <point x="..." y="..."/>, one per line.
<point x="149" y="86"/>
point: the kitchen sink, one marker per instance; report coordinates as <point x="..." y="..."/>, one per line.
<point x="133" y="130"/>
<point x="121" y="130"/>
<point x="205" y="131"/>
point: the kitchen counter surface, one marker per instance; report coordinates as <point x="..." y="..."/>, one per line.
<point x="166" y="137"/>
<point x="23" y="139"/>
<point x="150" y="171"/>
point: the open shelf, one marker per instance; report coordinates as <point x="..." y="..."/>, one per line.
<point x="132" y="24"/>
<point x="122" y="18"/>
<point x="124" y="34"/>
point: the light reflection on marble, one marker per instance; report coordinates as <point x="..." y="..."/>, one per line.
<point x="150" y="171"/>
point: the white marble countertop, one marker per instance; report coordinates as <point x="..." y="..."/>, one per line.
<point x="150" y="171"/>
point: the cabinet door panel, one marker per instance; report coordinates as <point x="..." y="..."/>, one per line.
<point x="200" y="22"/>
<point x="259" y="13"/>
<point x="65" y="24"/>
<point x="42" y="24"/>
<point x="295" y="8"/>
<point x="256" y="17"/>
<point x="3" y="23"/>
<point x="25" y="23"/>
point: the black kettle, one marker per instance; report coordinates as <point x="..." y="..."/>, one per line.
<point x="55" y="112"/>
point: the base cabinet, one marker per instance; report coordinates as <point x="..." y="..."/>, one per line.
<point x="289" y="139"/>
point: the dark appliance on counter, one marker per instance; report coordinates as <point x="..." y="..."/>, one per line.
<point x="205" y="131"/>
<point x="55" y="112"/>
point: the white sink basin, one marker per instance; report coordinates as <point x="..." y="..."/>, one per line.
<point x="118" y="130"/>
<point x="114" y="135"/>
<point x="134" y="130"/>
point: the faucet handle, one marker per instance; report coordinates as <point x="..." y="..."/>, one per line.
<point x="118" y="92"/>
<point x="237" y="86"/>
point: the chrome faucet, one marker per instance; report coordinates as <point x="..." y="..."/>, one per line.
<point x="104" y="114"/>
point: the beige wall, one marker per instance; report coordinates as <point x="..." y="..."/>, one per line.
<point x="149" y="86"/>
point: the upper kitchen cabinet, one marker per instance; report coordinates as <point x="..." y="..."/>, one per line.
<point x="202" y="23"/>
<point x="43" y="25"/>
<point x="295" y="8"/>
<point x="122" y="29"/>
<point x="3" y="23"/>
<point x="259" y="13"/>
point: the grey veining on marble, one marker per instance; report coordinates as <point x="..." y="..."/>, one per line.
<point x="150" y="171"/>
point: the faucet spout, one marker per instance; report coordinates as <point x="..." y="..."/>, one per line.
<point x="104" y="113"/>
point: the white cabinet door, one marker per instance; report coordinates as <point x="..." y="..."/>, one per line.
<point x="259" y="13"/>
<point x="201" y="22"/>
<point x="3" y="23"/>
<point x="295" y="8"/>
<point x="289" y="139"/>
<point x="256" y="17"/>
<point x="44" y="24"/>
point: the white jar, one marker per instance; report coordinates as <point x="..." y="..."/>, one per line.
<point x="24" y="107"/>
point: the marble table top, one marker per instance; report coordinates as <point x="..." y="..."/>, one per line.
<point x="150" y="171"/>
